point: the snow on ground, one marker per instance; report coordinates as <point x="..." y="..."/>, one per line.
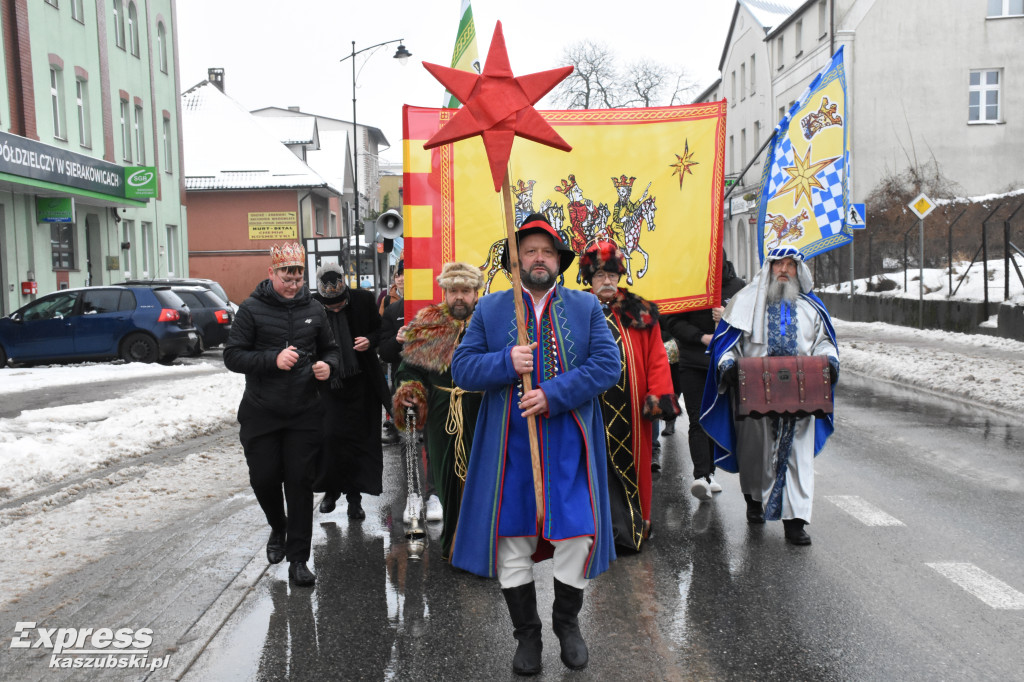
<point x="39" y="447"/>
<point x="968" y="283"/>
<point x="17" y="379"/>
<point x="987" y="370"/>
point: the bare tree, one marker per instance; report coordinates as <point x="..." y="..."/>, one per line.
<point x="596" y="82"/>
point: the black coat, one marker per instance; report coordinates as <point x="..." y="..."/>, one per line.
<point x="266" y="324"/>
<point x="391" y="322"/>
<point x="687" y="328"/>
<point x="351" y="457"/>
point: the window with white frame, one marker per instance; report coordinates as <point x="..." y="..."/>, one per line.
<point x="127" y="235"/>
<point x="753" y="74"/>
<point x="126" y="134"/>
<point x="798" y="37"/>
<point x="82" y="103"/>
<point x="780" y="54"/>
<point x="822" y="18"/>
<point x="732" y="146"/>
<point x="161" y="46"/>
<point x="743" y="81"/>
<point x="57" y="102"/>
<point x="732" y="90"/>
<point x="172" y="250"/>
<point x="119" y="23"/>
<point x="140" y="140"/>
<point x="757" y="134"/>
<point x="743" y="148"/>
<point x="1005" y="8"/>
<point x="146" y="252"/>
<point x="77" y="11"/>
<point x="133" y="29"/>
<point x="167" y="145"/>
<point x="983" y="96"/>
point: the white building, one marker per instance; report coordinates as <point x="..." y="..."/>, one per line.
<point x="929" y="83"/>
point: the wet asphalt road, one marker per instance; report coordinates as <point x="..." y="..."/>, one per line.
<point x="710" y="597"/>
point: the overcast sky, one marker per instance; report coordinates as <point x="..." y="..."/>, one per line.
<point x="287" y="53"/>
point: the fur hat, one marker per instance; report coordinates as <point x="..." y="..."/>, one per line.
<point x="456" y="274"/>
<point x="330" y="281"/>
<point x="288" y="256"/>
<point x="602" y="255"/>
<point x="536" y="223"/>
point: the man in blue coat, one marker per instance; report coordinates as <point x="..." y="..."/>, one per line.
<point x="574" y="359"/>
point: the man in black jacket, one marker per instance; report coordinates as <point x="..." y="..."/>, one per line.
<point x="389" y="348"/>
<point x="351" y="456"/>
<point x="692" y="331"/>
<point x="282" y="342"/>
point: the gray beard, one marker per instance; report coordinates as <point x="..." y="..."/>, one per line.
<point x="779" y="290"/>
<point x="541" y="280"/>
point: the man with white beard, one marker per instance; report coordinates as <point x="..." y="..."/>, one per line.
<point x="776" y="314"/>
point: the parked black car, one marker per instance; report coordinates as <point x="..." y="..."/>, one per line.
<point x="136" y="324"/>
<point x="212" y="285"/>
<point x="212" y="316"/>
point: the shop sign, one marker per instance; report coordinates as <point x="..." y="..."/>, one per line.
<point x="55" y="210"/>
<point x="30" y="159"/>
<point x="140" y="182"/>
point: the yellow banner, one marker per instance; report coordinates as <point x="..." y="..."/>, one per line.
<point x="649" y="179"/>
<point x="273" y="225"/>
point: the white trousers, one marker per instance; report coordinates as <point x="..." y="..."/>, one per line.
<point x="515" y="562"/>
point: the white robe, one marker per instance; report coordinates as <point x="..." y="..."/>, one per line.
<point x="755" y="443"/>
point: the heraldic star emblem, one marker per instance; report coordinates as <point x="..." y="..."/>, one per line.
<point x="801" y="176"/>
<point x="497" y="106"/>
<point x="684" y="163"/>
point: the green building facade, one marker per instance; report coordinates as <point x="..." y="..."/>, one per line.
<point x="91" y="187"/>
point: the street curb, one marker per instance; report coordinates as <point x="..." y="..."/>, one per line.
<point x="1002" y="411"/>
<point x="195" y="640"/>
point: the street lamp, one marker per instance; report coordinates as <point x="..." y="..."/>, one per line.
<point x="402" y="55"/>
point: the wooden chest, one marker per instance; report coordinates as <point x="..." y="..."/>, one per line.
<point x="795" y="386"/>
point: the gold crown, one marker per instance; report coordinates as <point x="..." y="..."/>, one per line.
<point x="621" y="181"/>
<point x="287" y="256"/>
<point x="566" y="186"/>
<point x="521" y="187"/>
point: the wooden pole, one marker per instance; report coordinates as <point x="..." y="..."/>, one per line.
<point x="523" y="340"/>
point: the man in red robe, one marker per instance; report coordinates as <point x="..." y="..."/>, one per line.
<point x="643" y="393"/>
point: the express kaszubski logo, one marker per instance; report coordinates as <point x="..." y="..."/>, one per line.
<point x="140" y="178"/>
<point x="90" y="647"/>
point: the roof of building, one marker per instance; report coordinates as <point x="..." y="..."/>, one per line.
<point x="767" y="13"/>
<point x="226" y="147"/>
<point x="292" y="129"/>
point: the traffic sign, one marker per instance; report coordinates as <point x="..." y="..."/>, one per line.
<point x="921" y="205"/>
<point x="855" y="217"/>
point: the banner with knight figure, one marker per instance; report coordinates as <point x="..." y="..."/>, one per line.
<point x="805" y="199"/>
<point x="649" y="179"/>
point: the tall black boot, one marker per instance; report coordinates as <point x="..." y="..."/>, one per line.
<point x="566" y="624"/>
<point x="522" y="607"/>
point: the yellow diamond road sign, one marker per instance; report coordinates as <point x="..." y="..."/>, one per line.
<point x="922" y="206"/>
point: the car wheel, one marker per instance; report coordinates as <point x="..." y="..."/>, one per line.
<point x="199" y="348"/>
<point x="139" y="347"/>
<point x="3" y="357"/>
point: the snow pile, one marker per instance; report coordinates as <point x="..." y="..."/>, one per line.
<point x="968" y="283"/>
<point x="984" y="370"/>
<point x="42" y="446"/>
<point x="18" y="379"/>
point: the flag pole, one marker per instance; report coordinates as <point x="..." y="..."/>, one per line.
<point x="523" y="340"/>
<point x="752" y="162"/>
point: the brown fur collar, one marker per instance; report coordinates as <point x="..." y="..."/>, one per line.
<point x="431" y="338"/>
<point x="633" y="310"/>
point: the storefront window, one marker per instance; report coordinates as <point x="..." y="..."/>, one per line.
<point x="62" y="245"/>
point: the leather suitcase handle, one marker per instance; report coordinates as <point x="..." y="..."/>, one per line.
<point x="766" y="379"/>
<point x="800" y="379"/>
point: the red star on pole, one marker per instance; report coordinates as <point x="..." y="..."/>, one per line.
<point x="497" y="106"/>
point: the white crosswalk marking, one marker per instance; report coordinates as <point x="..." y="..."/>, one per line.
<point x="985" y="587"/>
<point x="863" y="511"/>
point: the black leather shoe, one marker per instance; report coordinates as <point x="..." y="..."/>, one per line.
<point x="299" y="575"/>
<point x="328" y="504"/>
<point x="355" y="511"/>
<point x="390" y="435"/>
<point x="795" y="533"/>
<point x="670" y="428"/>
<point x="755" y="514"/>
<point x="656" y="459"/>
<point x="275" y="546"/>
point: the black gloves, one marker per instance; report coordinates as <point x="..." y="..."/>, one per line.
<point x="833" y="373"/>
<point x="731" y="376"/>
